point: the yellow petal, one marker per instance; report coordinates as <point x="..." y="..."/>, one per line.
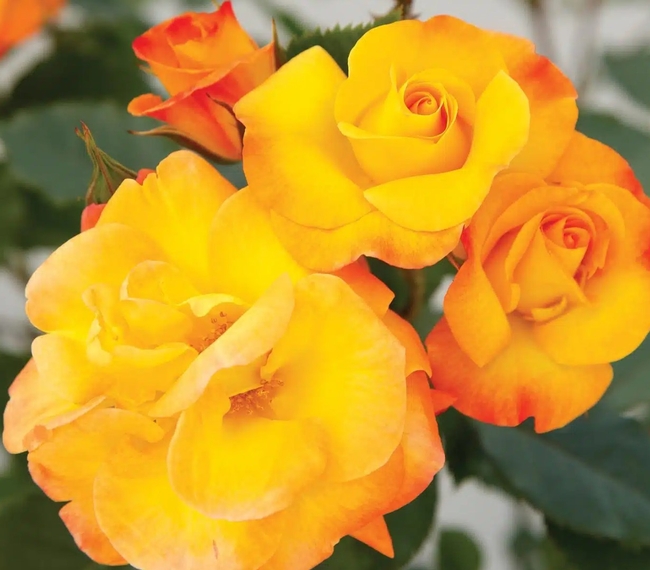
<point x="65" y="467"/>
<point x="102" y="254"/>
<point x="352" y="384"/>
<point x="175" y="208"/>
<point x="411" y="46"/>
<point x="386" y="158"/>
<point x="373" y="235"/>
<point x="244" y="250"/>
<point x="611" y="325"/>
<point x="62" y="362"/>
<point x="439" y="201"/>
<point x="149" y="524"/>
<point x="32" y="404"/>
<point x="241" y="468"/>
<point x="291" y="134"/>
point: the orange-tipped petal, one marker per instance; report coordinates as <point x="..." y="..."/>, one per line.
<point x="521" y="382"/>
<point x="375" y="534"/>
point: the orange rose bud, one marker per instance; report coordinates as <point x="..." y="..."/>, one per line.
<point x="90" y="216"/>
<point x="207" y="62"/>
<point x="550" y="293"/>
<point x="19" y="19"/>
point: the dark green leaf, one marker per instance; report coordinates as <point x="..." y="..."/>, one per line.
<point x="586" y="553"/>
<point x="631" y="143"/>
<point x="409" y="527"/>
<point x="591" y="476"/>
<point x="12" y="212"/>
<point x="338" y="41"/>
<point x="33" y="537"/>
<point x="94" y="62"/>
<point x="458" y="551"/>
<point x="44" y="151"/>
<point x="10" y="366"/>
<point x="465" y="456"/>
<point x="46" y="223"/>
<point x="632" y="72"/>
<point x="428" y="316"/>
<point x="631" y="385"/>
<point x="533" y="551"/>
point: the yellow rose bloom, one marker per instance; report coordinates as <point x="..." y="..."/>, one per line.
<point x="200" y="400"/>
<point x="393" y="160"/>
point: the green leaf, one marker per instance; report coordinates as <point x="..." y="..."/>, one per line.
<point x="337" y="41"/>
<point x="592" y="476"/>
<point x="10" y="365"/>
<point x="44" y="151"/>
<point x="409" y="526"/>
<point x="94" y="62"/>
<point x="631" y="385"/>
<point x="586" y="553"/>
<point x="632" y="144"/>
<point x="632" y="72"/>
<point x="465" y="456"/>
<point x="428" y="316"/>
<point x="458" y="551"/>
<point x="33" y="537"/>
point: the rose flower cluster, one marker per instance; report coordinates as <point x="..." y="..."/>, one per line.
<point x="220" y="382"/>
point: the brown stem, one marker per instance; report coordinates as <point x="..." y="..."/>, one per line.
<point x="406" y="7"/>
<point x="416" y="283"/>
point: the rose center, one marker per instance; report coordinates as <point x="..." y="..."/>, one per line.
<point x="209" y="329"/>
<point x="256" y="401"/>
<point x="425" y="102"/>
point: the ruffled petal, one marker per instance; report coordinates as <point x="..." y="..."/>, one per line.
<point x="327" y="513"/>
<point x="153" y="528"/>
<point x="339" y="364"/>
<point x="229" y="467"/>
<point x="373" y="235"/>
<point x="175" y="209"/>
<point x="251" y="336"/>
<point x="521" y="382"/>
<point x="104" y="254"/>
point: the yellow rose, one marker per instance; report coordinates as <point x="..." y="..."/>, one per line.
<point x="393" y="160"/>
<point x="201" y="397"/>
